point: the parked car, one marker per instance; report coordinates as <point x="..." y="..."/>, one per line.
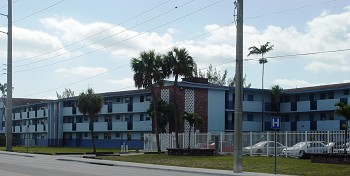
<point x="301" y="148"/>
<point x="339" y="147"/>
<point x="264" y="147"/>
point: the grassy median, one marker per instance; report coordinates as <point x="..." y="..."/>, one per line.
<point x="288" y="166"/>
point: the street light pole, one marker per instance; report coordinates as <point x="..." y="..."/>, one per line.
<point x="8" y="112"/>
<point x="238" y="114"/>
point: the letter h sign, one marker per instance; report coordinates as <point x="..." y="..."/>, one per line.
<point x="275" y="122"/>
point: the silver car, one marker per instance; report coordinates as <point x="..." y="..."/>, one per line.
<point x="264" y="148"/>
<point x="301" y="148"/>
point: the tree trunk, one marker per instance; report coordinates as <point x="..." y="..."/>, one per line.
<point x="262" y="97"/>
<point x="155" y="118"/>
<point x="175" y="115"/>
<point x="92" y="134"/>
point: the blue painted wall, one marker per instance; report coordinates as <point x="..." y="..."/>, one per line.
<point x="216" y="110"/>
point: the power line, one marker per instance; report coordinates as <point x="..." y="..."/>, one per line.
<point x="285" y="56"/>
<point x="263" y="15"/>
<point x="93" y="35"/>
<point x="7" y="5"/>
<point x="108" y="37"/>
<point x="289" y="10"/>
<point x="93" y="51"/>
<point x="117" y="68"/>
<point x="78" y="81"/>
<point x="254" y="59"/>
<point x="272" y="57"/>
<point x="32" y="14"/>
<point x="303" y="54"/>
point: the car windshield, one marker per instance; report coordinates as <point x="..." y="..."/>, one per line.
<point x="300" y="144"/>
<point x="259" y="144"/>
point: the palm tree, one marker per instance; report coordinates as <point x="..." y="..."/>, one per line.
<point x="179" y="63"/>
<point x="163" y="110"/>
<point x="91" y="104"/>
<point x="148" y="69"/>
<point x="276" y="92"/>
<point x="257" y="51"/>
<point x="3" y="89"/>
<point x="194" y="120"/>
<point x="344" y="110"/>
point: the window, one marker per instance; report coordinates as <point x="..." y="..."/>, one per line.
<point x="142" y="98"/>
<point x="129" y="137"/>
<point x="65" y="120"/>
<point x="250" y="117"/>
<point x="141" y="117"/>
<point x="311" y="97"/>
<point x="126" y="119"/>
<point x="250" y="97"/>
<point x="67" y="135"/>
<point x="330" y="116"/>
<point x="108" y="119"/>
<point x="79" y="119"/>
<point x="346" y="92"/>
<point x="148" y="118"/>
<point x="107" y="102"/>
<point x="119" y="100"/>
<point x="95" y="136"/>
<point x="331" y="95"/>
<point x="107" y="135"/>
<point x="117" y="117"/>
<point x="311" y="117"/>
<point x="323" y="96"/>
<point x="95" y="119"/>
<point x="127" y="100"/>
<point x="86" y="135"/>
<point x="117" y="135"/>
<point x="142" y="136"/>
<point x="85" y="118"/>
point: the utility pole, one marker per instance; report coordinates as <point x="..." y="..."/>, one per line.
<point x="8" y="112"/>
<point x="238" y="115"/>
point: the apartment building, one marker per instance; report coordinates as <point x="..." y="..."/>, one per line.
<point x="123" y="117"/>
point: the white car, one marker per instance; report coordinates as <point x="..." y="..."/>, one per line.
<point x="264" y="148"/>
<point x="301" y="148"/>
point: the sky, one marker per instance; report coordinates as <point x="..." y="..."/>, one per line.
<point x="81" y="44"/>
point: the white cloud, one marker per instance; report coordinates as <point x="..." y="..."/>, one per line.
<point x="84" y="71"/>
<point x="292" y="83"/>
<point x="109" y="37"/>
<point x="32" y="44"/>
<point x="327" y="67"/>
<point x="172" y="31"/>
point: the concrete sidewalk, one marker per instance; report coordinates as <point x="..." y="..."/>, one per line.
<point x="77" y="158"/>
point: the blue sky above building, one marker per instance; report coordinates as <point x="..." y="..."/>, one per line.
<point x="78" y="44"/>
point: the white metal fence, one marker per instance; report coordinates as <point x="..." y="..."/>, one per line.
<point x="333" y="139"/>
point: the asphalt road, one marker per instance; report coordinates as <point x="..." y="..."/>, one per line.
<point x="16" y="164"/>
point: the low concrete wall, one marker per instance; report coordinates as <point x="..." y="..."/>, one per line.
<point x="330" y="158"/>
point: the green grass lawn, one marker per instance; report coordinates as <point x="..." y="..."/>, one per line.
<point x="54" y="150"/>
<point x="289" y="166"/>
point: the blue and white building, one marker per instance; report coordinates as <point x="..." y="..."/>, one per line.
<point x="123" y="117"/>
